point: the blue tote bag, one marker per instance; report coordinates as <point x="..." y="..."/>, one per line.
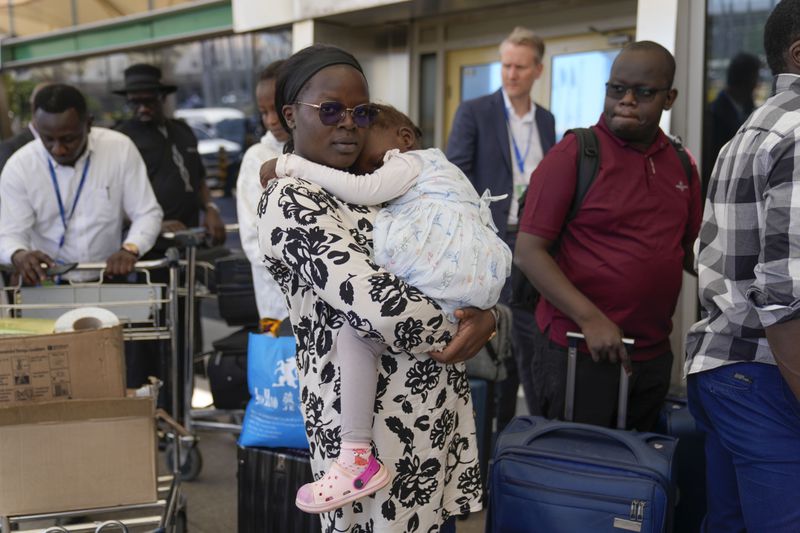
<point x="273" y="417"/>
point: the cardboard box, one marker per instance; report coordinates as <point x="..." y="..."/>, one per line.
<point x="77" y="454"/>
<point x="60" y="366"/>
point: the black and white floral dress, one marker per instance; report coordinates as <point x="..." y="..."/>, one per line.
<point x="319" y="250"/>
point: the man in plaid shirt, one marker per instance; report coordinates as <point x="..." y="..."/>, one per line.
<point x="743" y="357"/>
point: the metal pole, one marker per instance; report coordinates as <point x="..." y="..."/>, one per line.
<point x="622" y="402"/>
<point x="172" y="320"/>
<point x="572" y="363"/>
<point x="188" y="385"/>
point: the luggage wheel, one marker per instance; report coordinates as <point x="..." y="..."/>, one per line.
<point x="191" y="461"/>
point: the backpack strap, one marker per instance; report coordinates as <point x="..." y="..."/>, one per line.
<point x="588" y="167"/>
<point x="683" y="155"/>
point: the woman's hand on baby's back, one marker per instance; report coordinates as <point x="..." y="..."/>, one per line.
<point x="267" y="171"/>
<point x="475" y="327"/>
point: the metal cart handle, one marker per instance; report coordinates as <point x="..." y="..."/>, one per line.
<point x="111" y="524"/>
<point x="187" y="237"/>
<point x="140" y="265"/>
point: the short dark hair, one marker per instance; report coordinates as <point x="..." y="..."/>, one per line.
<point x="780" y="31"/>
<point x="60" y="97"/>
<point x="652" y="46"/>
<point x="743" y="70"/>
<point x="270" y="72"/>
<point x="389" y="118"/>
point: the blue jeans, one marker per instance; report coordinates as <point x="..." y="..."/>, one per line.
<point x="751" y="421"/>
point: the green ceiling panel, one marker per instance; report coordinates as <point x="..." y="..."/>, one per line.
<point x="211" y="18"/>
<point x="203" y="19"/>
<point x="116" y="36"/>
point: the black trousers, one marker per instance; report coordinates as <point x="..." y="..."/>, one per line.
<point x="154" y="358"/>
<point x="597" y="386"/>
<point x="505" y="398"/>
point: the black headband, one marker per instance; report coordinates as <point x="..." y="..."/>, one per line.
<point x="300" y="68"/>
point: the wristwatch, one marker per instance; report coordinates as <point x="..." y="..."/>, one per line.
<point x="496" y="316"/>
<point x="131" y="248"/>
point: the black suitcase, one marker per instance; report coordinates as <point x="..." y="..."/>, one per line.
<point x="227" y="371"/>
<point x="268" y="482"/>
<point x="235" y="294"/>
<point x="690" y="463"/>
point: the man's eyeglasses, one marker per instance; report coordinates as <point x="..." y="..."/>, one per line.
<point x="641" y="94"/>
<point x="332" y="113"/>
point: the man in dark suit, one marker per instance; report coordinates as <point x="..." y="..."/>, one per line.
<point x="12" y="144"/>
<point x="730" y="108"/>
<point x="498" y="140"/>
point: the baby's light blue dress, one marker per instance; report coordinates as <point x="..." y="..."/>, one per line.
<point x="439" y="237"/>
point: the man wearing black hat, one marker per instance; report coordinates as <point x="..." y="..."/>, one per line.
<point x="169" y="149"/>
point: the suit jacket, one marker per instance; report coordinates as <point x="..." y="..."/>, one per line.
<point x="479" y="146"/>
<point x="12" y="144"/>
<point x="723" y="120"/>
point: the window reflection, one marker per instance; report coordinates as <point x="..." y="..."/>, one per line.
<point x="737" y="76"/>
<point x="219" y="72"/>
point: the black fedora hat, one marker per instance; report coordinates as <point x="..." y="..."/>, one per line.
<point x="142" y="77"/>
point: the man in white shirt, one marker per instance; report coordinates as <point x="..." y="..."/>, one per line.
<point x="497" y="140"/>
<point x="270" y="300"/>
<point x="66" y="195"/>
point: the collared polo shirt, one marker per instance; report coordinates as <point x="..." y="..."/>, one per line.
<point x="624" y="249"/>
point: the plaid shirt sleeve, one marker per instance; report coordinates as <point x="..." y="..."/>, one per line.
<point x="775" y="291"/>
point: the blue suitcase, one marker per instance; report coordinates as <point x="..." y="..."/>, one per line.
<point x="690" y="463"/>
<point x="552" y="477"/>
<point x="482" y="392"/>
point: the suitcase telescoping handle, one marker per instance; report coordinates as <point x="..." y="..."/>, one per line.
<point x="572" y="364"/>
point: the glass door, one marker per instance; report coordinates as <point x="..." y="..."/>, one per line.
<point x="571" y="85"/>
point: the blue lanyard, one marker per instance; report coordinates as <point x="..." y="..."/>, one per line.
<point x="64" y="218"/>
<point x="517" y="154"/>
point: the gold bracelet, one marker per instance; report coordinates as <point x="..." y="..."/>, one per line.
<point x="496" y="316"/>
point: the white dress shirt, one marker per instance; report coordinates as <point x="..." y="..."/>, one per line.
<point x="269" y="298"/>
<point x="526" y="133"/>
<point x="116" y="188"/>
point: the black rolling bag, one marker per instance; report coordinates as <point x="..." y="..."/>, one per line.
<point x="235" y="294"/>
<point x="227" y="371"/>
<point x="268" y="482"/>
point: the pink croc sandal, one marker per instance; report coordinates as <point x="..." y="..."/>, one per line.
<point x="338" y="487"/>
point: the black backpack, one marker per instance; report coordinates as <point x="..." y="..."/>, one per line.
<point x="523" y="294"/>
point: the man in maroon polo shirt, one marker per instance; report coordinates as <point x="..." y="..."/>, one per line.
<point x="617" y="266"/>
